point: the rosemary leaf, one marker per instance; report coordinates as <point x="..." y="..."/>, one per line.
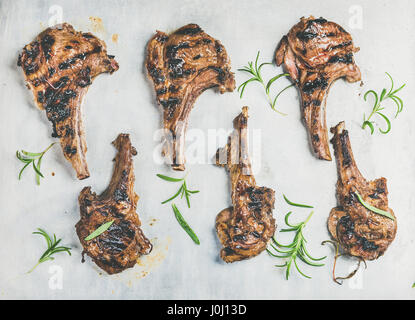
<point x="374" y="209"/>
<point x="173" y="197"/>
<point x="184" y="224"/>
<point x="296" y="204"/>
<point x="101" y="229"/>
<point x="161" y="176"/>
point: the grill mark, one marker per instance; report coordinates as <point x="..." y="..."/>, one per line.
<point x="169" y="106"/>
<point x="239" y="238"/>
<point x="36" y="82"/>
<point x="228" y="251"/>
<point x="347" y="59"/>
<point x="173" y="89"/>
<point x="51" y="71"/>
<point x="221" y="73"/>
<point x="320" y="21"/>
<point x="367" y="245"/>
<point x="120" y="194"/>
<point x="348" y="225"/>
<point x="162" y="38"/>
<point x="374" y="195"/>
<point x="349" y="232"/>
<point x="218" y="47"/>
<point x="69" y="132"/>
<point x="84" y="78"/>
<point x="47" y="42"/>
<point x="87" y="36"/>
<point x="176" y="67"/>
<point x="341" y="45"/>
<point x="256" y="234"/>
<point x="347" y="159"/>
<point x="306" y="35"/>
<point x="189" y="31"/>
<point x="171" y="50"/>
<point x="156" y="74"/>
<point x="161" y="91"/>
<point x="311" y="86"/>
<point x="69" y="150"/>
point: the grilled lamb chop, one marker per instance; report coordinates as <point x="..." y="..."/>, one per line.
<point x="183" y="65"/>
<point x="119" y="247"/>
<point x="315" y="53"/>
<point x="245" y="228"/>
<point x="59" y="65"/>
<point x="359" y="231"/>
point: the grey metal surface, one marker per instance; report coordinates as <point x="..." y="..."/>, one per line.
<point x="124" y="102"/>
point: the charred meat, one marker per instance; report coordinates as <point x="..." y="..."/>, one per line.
<point x="181" y="66"/>
<point x="119" y="247"/>
<point x="59" y="65"/>
<point x="359" y="231"/>
<point x="245" y="228"/>
<point x="315" y="53"/>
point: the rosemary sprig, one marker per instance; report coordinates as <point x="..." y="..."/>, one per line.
<point x="30" y="158"/>
<point x="101" y="229"/>
<point x="183" y="190"/>
<point x="53" y="248"/>
<point x="255" y="71"/>
<point x="184" y="224"/>
<point x="391" y="94"/>
<point x="374" y="209"/>
<point x="296" y="204"/>
<point x="296" y="249"/>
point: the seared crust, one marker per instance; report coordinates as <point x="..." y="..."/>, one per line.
<point x="315" y="53"/>
<point x="244" y="229"/>
<point x="181" y="66"/>
<point x="59" y="65"/>
<point x="119" y="247"/>
<point x="360" y="232"/>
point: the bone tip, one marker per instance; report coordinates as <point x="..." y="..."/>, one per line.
<point x="178" y="167"/>
<point x="83" y="175"/>
<point x="339" y="128"/>
<point x="326" y="156"/>
<point x="245" y="111"/>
